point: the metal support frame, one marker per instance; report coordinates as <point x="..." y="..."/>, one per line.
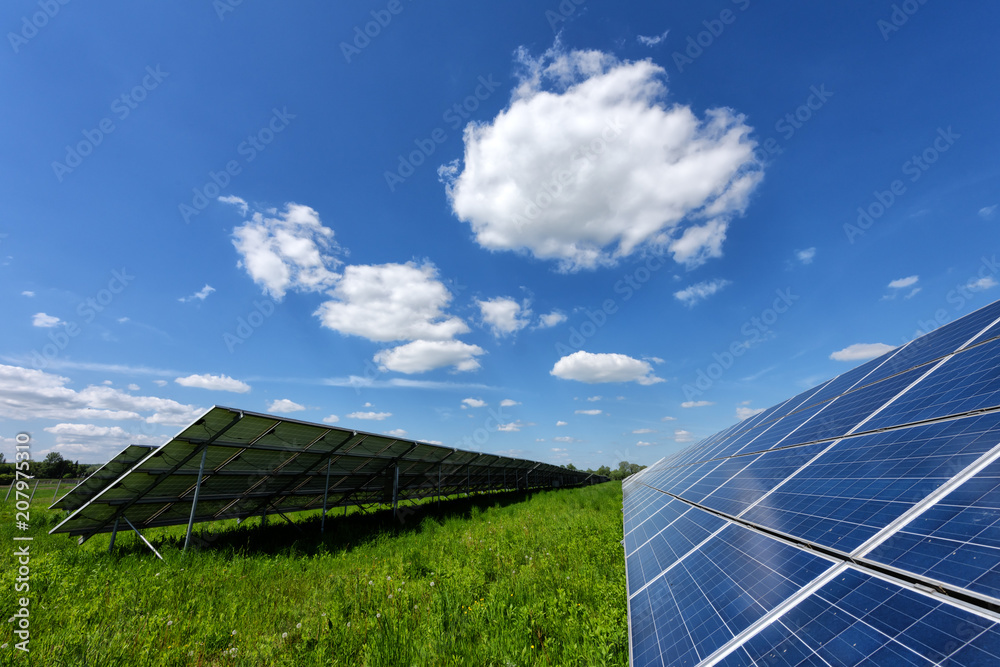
<point x="33" y="491"/>
<point x="151" y="547"/>
<point x="12" y="482"/>
<point x="114" y="533"/>
<point x="395" y="490"/>
<point x="326" y="494"/>
<point x="194" y="502"/>
<point x="56" y="493"/>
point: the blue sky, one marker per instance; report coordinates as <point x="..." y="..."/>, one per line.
<point x="578" y="232"/>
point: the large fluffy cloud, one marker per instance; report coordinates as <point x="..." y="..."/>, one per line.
<point x="589" y="162"/>
<point x="426" y="355"/>
<point x="287" y="250"/>
<point x="596" y="368"/>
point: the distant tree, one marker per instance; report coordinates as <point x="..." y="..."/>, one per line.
<point x="569" y="466"/>
<point x="604" y="471"/>
<point x="2" y="459"/>
<point x="53" y="466"/>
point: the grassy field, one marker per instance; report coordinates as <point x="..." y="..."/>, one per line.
<point x="493" y="580"/>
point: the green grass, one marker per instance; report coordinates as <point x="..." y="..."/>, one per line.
<point x="494" y="580"/>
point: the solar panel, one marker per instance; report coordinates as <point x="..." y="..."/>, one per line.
<point x="233" y="464"/>
<point x="855" y="523"/>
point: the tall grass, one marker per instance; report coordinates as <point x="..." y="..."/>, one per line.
<point x="499" y="580"/>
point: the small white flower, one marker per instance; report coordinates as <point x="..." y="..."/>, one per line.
<point x="4" y="646"/>
<point x="298" y="625"/>
<point x="388" y="578"/>
<point x="370" y="582"/>
<point x="234" y="633"/>
<point x="323" y="614"/>
<point x="284" y="635"/>
<point x="378" y="615"/>
<point x="169" y="623"/>
<point x="348" y="624"/>
<point x="432" y="583"/>
<point x="390" y="596"/>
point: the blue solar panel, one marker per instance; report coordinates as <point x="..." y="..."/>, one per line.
<point x="957" y="541"/>
<point x="857" y="619"/>
<point x="968" y="381"/>
<point x="865" y="483"/>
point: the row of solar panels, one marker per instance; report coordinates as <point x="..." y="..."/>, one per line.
<point x="856" y="523"/>
<point x="233" y="464"/>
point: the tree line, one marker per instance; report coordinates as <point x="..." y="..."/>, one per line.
<point x="53" y="466"/>
<point x="623" y="470"/>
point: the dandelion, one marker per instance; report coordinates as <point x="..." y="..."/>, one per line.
<point x="323" y="614"/>
<point x="390" y="596"/>
<point x="432" y="585"/>
<point x="370" y="582"/>
<point x="4" y="646"/>
<point x="157" y="574"/>
<point x="284" y="635"/>
<point x="234" y="633"/>
<point x="298" y="625"/>
<point x="348" y="624"/>
<point x="388" y="578"/>
<point x="378" y="615"/>
<point x="169" y="623"/>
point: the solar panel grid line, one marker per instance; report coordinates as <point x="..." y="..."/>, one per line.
<point x="928" y="502"/>
<point x="678" y="561"/>
<point x="772" y="616"/>
<point x="789" y="477"/>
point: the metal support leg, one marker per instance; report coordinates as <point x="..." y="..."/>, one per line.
<point x="142" y="538"/>
<point x="58" y="484"/>
<point x="395" y="491"/>
<point x="114" y="533"/>
<point x="439" y="487"/>
<point x="8" y="490"/>
<point x="194" y="502"/>
<point x="326" y="491"/>
<point x="33" y="491"/>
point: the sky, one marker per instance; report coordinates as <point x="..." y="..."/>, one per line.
<point x="575" y="231"/>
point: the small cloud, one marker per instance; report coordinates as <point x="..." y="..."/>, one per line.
<point x="473" y="403"/>
<point x="640" y="431"/>
<point x="433" y="442"/>
<point x="904" y="282"/>
<point x="912" y="293"/>
<point x="133" y="387"/>
<point x="642" y="443"/>
<point x="806" y="256"/>
<point x="107" y="383"/>
<point x="652" y="41"/>
<point x="504" y="316"/>
<point x="123" y="320"/>
<point x="561" y="423"/>
<point x="987" y="212"/>
<point x="512" y="427"/>
<point x="696" y="404"/>
<point x="861" y="352"/>
<point x="285" y="405"/>
<point x="743" y="412"/>
<point x="669" y="419"/>
<point x="597" y="368"/>
<point x="398" y="432"/>
<point x="978" y="285"/>
<point x="593" y="398"/>
<point x="28" y="293"/>
<point x="45" y="321"/>
<point x="552" y="319"/>
<point x="565" y="438"/>
<point x="558" y="449"/>
<point x="215" y="383"/>
<point x="691" y="295"/>
<point x="236" y="201"/>
<point x="332" y="419"/>
<point x="160" y="383"/>
<point x="680" y="435"/>
<point x="374" y="416"/>
<point x="200" y="295"/>
<point x="588" y="412"/>
<point x="508" y="403"/>
<point x="655" y="360"/>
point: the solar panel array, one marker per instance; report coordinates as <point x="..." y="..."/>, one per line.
<point x="856" y="523"/>
<point x="233" y="464"/>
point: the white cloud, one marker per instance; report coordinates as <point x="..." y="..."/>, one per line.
<point x="680" y="435"/>
<point x="696" y="404"/>
<point x="559" y="449"/>
<point x="371" y="416"/>
<point x="95" y="443"/>
<point x="981" y="284"/>
<point x="595" y="368"/>
<point x="285" y="405"/>
<point x="744" y="412"/>
<point x="45" y="321"/>
<point x="642" y="443"/>
<point x="512" y="427"/>
<point x="904" y="282"/>
<point x="133" y="387"/>
<point x="861" y="352"/>
<point x="473" y="403"/>
<point x="561" y="423"/>
<point x="236" y="201"/>
<point x="214" y="382"/>
<point x="652" y="41"/>
<point x="33" y="394"/>
<point x="987" y="211"/>
<point x="504" y="316"/>
<point x="426" y="355"/>
<point x="508" y="403"/>
<point x="593" y="399"/>
<point x="658" y="175"/>
<point x="332" y="419"/>
<point x="200" y="295"/>
<point x="27" y="293"/>
<point x="565" y="438"/>
<point x="160" y="383"/>
<point x="289" y="250"/>
<point x="551" y="319"/>
<point x="669" y="419"/>
<point x="588" y="412"/>
<point x="700" y="291"/>
<point x="806" y="256"/>
<point x="643" y="431"/>
<point x="398" y="432"/>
